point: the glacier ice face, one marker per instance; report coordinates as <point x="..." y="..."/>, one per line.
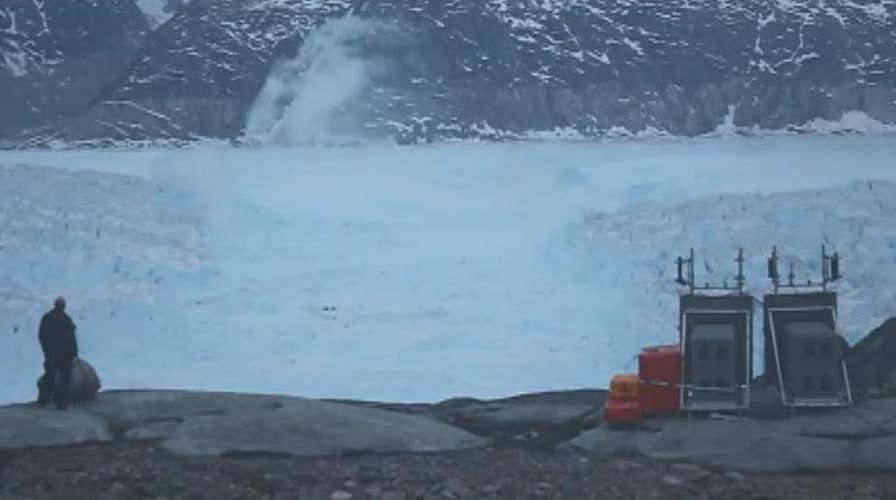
<point x="416" y="273"/>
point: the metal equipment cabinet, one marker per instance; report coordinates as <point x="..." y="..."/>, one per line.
<point x="803" y="351"/>
<point x="717" y="350"/>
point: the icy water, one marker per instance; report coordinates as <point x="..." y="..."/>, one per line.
<point x="416" y="273"/>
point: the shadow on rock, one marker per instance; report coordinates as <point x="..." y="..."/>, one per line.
<point x="539" y="420"/>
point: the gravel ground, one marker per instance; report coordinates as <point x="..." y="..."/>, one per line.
<point x="137" y="470"/>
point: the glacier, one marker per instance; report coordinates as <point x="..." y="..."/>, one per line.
<point x="419" y="273"/>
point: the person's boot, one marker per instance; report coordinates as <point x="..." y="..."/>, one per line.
<point x="43" y="396"/>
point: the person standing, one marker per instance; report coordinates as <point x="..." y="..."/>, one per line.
<point x="60" y="347"/>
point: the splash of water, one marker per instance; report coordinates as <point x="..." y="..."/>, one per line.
<point x="316" y="96"/>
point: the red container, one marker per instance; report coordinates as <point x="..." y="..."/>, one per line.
<point x="659" y="370"/>
<point x="622" y="411"/>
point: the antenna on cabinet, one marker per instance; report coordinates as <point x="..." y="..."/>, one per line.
<point x="685" y="275"/>
<point x="830" y="271"/>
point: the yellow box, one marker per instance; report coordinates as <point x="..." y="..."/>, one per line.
<point x="625" y="386"/>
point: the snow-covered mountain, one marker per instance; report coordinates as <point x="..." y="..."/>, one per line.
<point x="493" y="68"/>
<point x="55" y="56"/>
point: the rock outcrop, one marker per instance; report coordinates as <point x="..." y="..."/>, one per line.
<point x="858" y="438"/>
<point x="85" y="383"/>
<point x="872" y="362"/>
<point x="540" y="419"/>
<point x="215" y="424"/>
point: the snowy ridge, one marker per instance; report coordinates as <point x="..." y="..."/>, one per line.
<point x="40" y="35"/>
<point x="298" y="5"/>
<point x="24" y="39"/>
<point x="852" y="122"/>
<point x="55" y="56"/>
<point x="548" y="23"/>
<point x="511" y="68"/>
<point x="880" y="10"/>
<point x="243" y="39"/>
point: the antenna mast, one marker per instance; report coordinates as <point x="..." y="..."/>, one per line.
<point x="685" y="276"/>
<point x="830" y="271"/>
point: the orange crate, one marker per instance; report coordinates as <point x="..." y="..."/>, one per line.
<point x="622" y="411"/>
<point x="625" y="386"/>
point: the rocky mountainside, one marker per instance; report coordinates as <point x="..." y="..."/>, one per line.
<point x="55" y="56"/>
<point x="872" y="371"/>
<point x="425" y="69"/>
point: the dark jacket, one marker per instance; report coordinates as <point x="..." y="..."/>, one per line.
<point x="57" y="336"/>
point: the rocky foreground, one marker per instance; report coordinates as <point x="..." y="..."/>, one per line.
<point x="137" y="470"/>
<point x="166" y="444"/>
